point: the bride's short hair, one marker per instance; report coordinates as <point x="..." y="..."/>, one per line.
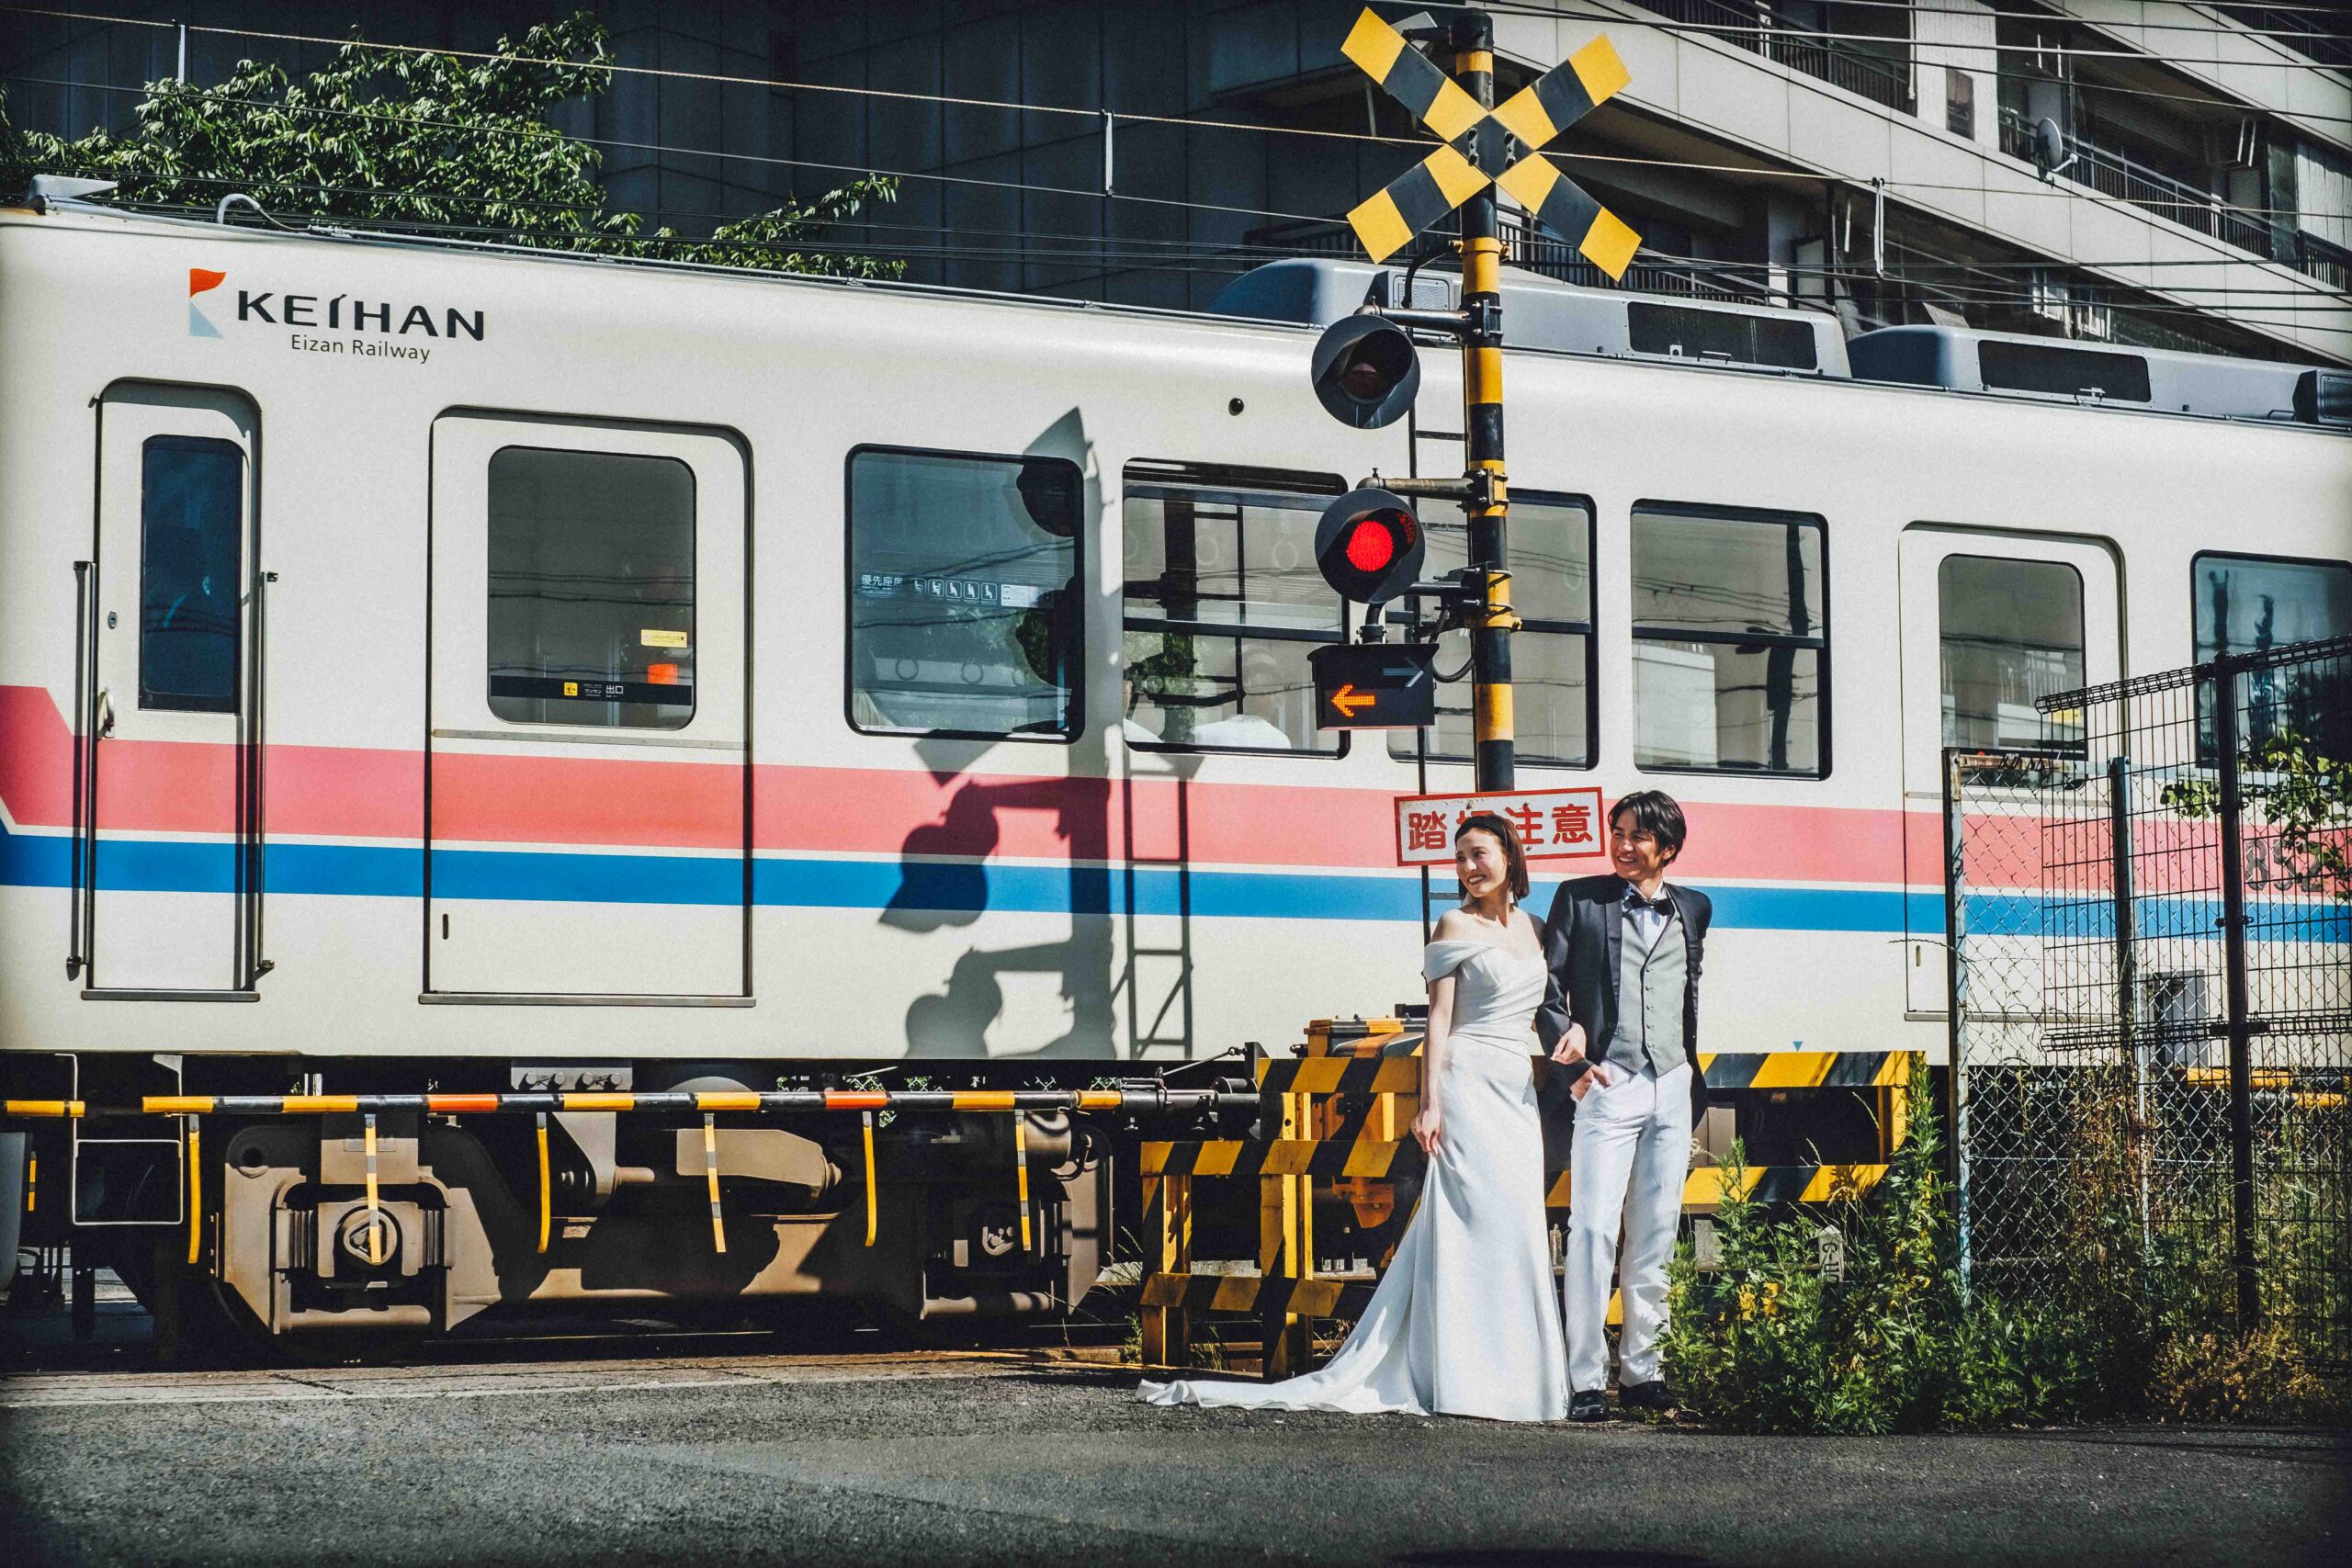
<point x="1514" y="858"/>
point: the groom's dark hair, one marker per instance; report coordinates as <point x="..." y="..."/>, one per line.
<point x="1514" y="858"/>
<point x="1653" y="812"/>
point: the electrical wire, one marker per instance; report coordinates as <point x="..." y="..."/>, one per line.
<point x="1762" y="28"/>
<point x="1009" y="106"/>
<point x="1807" y="175"/>
<point x="1921" y="10"/>
<point x="531" y="240"/>
<point x="1097" y="249"/>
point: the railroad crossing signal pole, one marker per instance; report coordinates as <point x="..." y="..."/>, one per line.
<point x="1366" y="371"/>
<point x="1486" y="608"/>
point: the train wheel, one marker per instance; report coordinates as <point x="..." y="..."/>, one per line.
<point x="196" y="1325"/>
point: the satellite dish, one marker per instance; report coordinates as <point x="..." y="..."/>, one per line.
<point x="2050" y="155"/>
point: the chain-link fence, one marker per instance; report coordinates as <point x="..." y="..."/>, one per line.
<point x="2151" y="992"/>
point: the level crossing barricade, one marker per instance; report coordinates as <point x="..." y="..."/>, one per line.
<point x="1335" y="1119"/>
<point x="1334" y="1122"/>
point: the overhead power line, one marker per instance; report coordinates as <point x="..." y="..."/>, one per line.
<point x="1747" y="170"/>
<point x="2313" y="299"/>
<point x="1762" y="28"/>
<point x="1535" y="7"/>
<point x="1067" y="245"/>
<point x="1123" y="116"/>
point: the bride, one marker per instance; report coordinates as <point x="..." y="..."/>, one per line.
<point x="1466" y="1320"/>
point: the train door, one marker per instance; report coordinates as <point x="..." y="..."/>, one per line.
<point x="1992" y="622"/>
<point x="173" y="821"/>
<point x="587" y="782"/>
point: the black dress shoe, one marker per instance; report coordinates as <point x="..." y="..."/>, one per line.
<point x="1646" y="1397"/>
<point x="1589" y="1406"/>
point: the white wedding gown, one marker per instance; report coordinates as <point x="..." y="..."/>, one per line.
<point x="1466" y="1320"/>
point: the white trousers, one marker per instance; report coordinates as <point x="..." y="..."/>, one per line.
<point x="1627" y="1164"/>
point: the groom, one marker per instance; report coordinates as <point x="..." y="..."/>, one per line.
<point x="1621" y="1016"/>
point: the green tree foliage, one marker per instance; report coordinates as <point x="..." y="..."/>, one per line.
<point x="402" y="139"/>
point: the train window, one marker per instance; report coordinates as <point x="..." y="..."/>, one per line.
<point x="191" y="517"/>
<point x="964" y="616"/>
<point x="1223" y="605"/>
<point x="2248" y="603"/>
<point x="1551" y="658"/>
<point x="2069" y="372"/>
<point x="1691" y="331"/>
<point x="2010" y="633"/>
<point x="592" y="589"/>
<point x="1731" y="651"/>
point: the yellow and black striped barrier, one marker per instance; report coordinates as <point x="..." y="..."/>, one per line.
<point x="1254" y="1293"/>
<point x="1156" y="1100"/>
<point x="1704" y="1188"/>
<point x="1728" y="1070"/>
<point x="1279" y="1157"/>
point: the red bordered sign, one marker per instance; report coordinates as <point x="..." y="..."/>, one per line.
<point x="1551" y="824"/>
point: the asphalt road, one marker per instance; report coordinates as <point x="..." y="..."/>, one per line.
<point x="1007" y="1458"/>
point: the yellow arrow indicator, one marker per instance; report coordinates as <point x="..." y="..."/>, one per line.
<point x="1349" y="701"/>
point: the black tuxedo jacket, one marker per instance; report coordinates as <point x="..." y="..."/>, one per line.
<point x="1584" y="948"/>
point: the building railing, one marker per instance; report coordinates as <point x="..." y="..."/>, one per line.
<point x="1878" y="77"/>
<point x="2114" y="174"/>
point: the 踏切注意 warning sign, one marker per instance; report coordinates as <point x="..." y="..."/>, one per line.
<point x="1551" y="824"/>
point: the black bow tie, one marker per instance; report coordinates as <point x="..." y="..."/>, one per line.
<point x="1662" y="903"/>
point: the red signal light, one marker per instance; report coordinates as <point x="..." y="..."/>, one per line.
<point x="1371" y="546"/>
<point x="1368" y="545"/>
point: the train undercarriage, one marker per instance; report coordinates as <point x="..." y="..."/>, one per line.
<point x="327" y="1207"/>
<point x="368" y="1225"/>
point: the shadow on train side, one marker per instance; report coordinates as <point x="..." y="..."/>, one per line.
<point x="945" y="870"/>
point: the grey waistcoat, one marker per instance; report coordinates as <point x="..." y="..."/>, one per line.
<point x="1650" y="985"/>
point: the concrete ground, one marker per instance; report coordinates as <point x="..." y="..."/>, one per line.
<point x="692" y="1451"/>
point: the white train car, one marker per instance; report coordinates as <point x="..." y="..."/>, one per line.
<point x="437" y="666"/>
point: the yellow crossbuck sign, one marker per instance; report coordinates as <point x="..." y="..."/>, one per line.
<point x="1448" y="177"/>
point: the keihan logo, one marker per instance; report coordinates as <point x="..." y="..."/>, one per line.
<point x="200" y="281"/>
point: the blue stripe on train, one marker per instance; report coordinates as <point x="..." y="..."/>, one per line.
<point x="42" y="861"/>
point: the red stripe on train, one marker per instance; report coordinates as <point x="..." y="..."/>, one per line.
<point x="359" y="793"/>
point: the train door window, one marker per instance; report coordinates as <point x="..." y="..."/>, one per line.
<point x="586" y="779"/>
<point x="1991" y="625"/>
<point x="2009" y="633"/>
<point x="965" y="615"/>
<point x="1731" y="648"/>
<point x="1551" y="657"/>
<point x="1224" y="603"/>
<point x="169" y="838"/>
<point x="592" y="589"/>
<point x="192" y="499"/>
<point x="2249" y="603"/>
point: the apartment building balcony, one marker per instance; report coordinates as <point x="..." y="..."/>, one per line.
<point x="2117" y="174"/>
<point x="1883" y="76"/>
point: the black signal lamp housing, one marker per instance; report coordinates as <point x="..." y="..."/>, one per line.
<point x="1366" y="371"/>
<point x="1370" y="546"/>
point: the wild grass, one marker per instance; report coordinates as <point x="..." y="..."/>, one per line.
<point x="1897" y="1341"/>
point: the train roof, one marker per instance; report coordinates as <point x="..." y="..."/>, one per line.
<point x="1551" y="317"/>
<point x="1565" y="318"/>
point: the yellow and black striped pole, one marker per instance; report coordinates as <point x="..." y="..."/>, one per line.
<point x="1488" y="607"/>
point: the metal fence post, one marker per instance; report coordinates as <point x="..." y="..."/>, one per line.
<point x="1956" y="1007"/>
<point x="2229" y="763"/>
<point x="2127" y="969"/>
